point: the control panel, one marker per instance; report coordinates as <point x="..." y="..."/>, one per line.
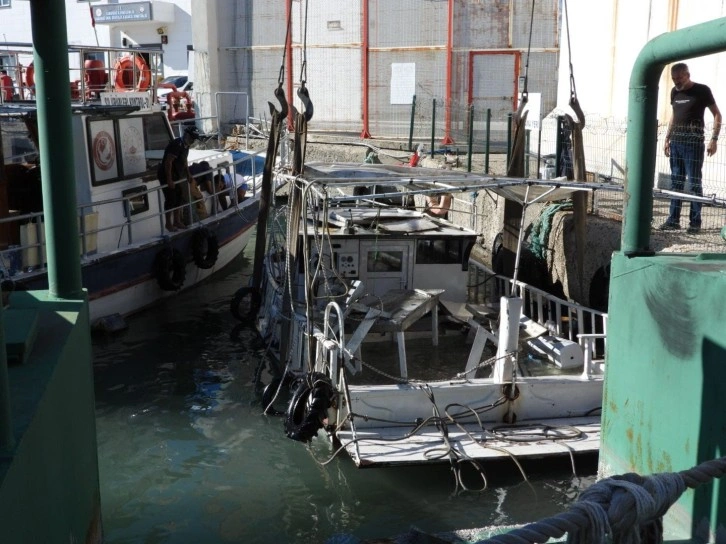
<point x="348" y="265"/>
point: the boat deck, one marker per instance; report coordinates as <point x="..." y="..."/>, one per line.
<point x="382" y="446"/>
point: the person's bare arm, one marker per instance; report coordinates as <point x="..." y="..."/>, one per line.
<point x="667" y="144"/>
<point x="713" y="141"/>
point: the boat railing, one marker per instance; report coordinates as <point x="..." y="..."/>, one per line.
<point x="92" y="70"/>
<point x="564" y="319"/>
<point x="29" y="255"/>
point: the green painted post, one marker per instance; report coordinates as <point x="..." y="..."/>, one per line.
<point x="509" y="138"/>
<point x="488" y="138"/>
<point x="410" y="128"/>
<point x="640" y="151"/>
<point x="433" y="127"/>
<point x="7" y="441"/>
<point x="56" y="148"/>
<point x="558" y="145"/>
<point x="471" y="136"/>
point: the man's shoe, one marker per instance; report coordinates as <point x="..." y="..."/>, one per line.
<point x="669" y="226"/>
<point x="693" y="229"/>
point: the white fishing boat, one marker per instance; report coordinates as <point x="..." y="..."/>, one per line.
<point x="128" y="259"/>
<point x="401" y="348"/>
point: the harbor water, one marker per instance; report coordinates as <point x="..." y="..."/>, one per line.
<point x="186" y="455"/>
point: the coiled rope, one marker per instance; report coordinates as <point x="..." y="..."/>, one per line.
<point x="627" y="509"/>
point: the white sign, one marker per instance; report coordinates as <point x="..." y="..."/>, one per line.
<point x="534" y="107"/>
<point x="141" y="100"/>
<point x="403" y="82"/>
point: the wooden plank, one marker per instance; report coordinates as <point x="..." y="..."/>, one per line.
<point x="380" y="447"/>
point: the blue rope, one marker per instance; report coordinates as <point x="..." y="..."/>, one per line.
<point x="627" y="509"/>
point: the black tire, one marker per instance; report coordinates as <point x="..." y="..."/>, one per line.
<point x="245" y="304"/>
<point x="270" y="392"/>
<point x="205" y="248"/>
<point x="308" y="407"/>
<point x="170" y="269"/>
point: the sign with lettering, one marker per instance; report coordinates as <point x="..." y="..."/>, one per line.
<point x="121" y="13"/>
<point x="141" y="100"/>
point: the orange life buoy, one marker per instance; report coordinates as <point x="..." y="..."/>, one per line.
<point x="125" y="73"/>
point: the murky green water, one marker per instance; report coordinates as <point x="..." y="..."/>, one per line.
<point x="187" y="457"/>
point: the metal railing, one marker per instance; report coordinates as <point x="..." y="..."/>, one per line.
<point x="16" y="258"/>
<point x="564" y="319"/>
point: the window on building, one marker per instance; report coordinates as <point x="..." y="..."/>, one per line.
<point x="4" y="3"/>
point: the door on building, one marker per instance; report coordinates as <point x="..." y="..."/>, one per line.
<point x="493" y="76"/>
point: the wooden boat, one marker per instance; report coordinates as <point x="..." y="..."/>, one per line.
<point x="391" y="345"/>
<point x="128" y="259"/>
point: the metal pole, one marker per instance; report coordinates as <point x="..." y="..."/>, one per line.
<point x="55" y="141"/>
<point x="559" y="142"/>
<point x="410" y="128"/>
<point x="471" y="136"/>
<point x="488" y="138"/>
<point x="509" y="138"/>
<point x="433" y="127"/>
<point x="526" y="153"/>
<point x="539" y="149"/>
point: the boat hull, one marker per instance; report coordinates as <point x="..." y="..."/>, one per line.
<point x="124" y="282"/>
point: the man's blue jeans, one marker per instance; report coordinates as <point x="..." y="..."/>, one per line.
<point x="686" y="162"/>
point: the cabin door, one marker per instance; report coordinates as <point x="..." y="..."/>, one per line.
<point x="386" y="266"/>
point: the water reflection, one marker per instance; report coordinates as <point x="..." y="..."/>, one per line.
<point x="186" y="455"/>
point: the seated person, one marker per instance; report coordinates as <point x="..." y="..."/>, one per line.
<point x="438" y="205"/>
<point x="201" y="175"/>
<point x="224" y="187"/>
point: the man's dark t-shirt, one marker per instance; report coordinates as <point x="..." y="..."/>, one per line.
<point x="173" y="198"/>
<point x="688" y="108"/>
<point x="178" y="167"/>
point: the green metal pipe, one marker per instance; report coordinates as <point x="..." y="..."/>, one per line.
<point x="471" y="137"/>
<point x="509" y="138"/>
<point x="640" y="151"/>
<point x="559" y="144"/>
<point x="488" y="137"/>
<point x="410" y="128"/>
<point x="7" y="441"/>
<point x="56" y="148"/>
<point x="433" y="127"/>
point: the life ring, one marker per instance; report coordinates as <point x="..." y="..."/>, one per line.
<point x="170" y="269"/>
<point x="308" y="407"/>
<point x="245" y="304"/>
<point x="125" y="73"/>
<point x="205" y="248"/>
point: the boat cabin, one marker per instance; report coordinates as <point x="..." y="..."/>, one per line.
<point x="116" y="156"/>
<point x="387" y="249"/>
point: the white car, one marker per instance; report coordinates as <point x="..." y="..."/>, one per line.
<point x="181" y="83"/>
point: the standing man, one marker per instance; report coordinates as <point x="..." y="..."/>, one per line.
<point x="6" y="86"/>
<point x="684" y="142"/>
<point x="174" y="167"/>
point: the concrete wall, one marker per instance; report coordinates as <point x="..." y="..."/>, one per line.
<point x="606" y="37"/>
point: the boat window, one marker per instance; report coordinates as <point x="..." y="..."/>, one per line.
<point x="385" y="261"/>
<point x="156" y="133"/>
<point x="16" y="142"/>
<point x="438" y="251"/>
<point x="138" y="200"/>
